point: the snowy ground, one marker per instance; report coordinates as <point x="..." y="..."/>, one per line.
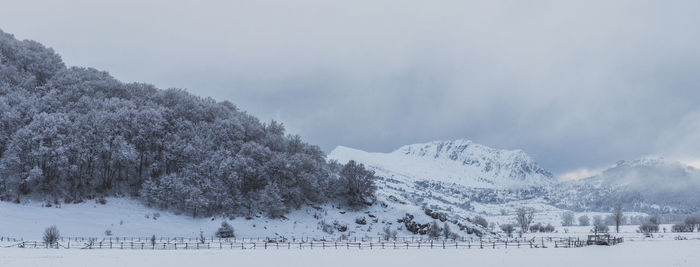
<point x="129" y="218"/>
<point x="638" y="254"/>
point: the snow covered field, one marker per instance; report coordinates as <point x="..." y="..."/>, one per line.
<point x="638" y="254"/>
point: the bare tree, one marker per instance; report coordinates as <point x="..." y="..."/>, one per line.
<point x="389" y="234"/>
<point x="446" y="233"/>
<point x="434" y="230"/>
<point x="51" y="235"/>
<point x="202" y="239"/>
<point x="618" y="216"/>
<point x="567" y="218"/>
<point x="524" y="217"/>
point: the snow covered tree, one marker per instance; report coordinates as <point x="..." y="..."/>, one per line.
<point x="584" y="220"/>
<point x="478" y="220"/>
<point x="357" y="184"/>
<point x="618" y="217"/>
<point x="225" y="231"/>
<point x="567" y="218"/>
<point x="693" y="222"/>
<point x="273" y="202"/>
<point x="524" y="217"/>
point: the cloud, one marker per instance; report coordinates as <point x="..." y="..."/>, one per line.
<point x="580" y="174"/>
<point x="695" y="163"/>
<point x="577" y="85"/>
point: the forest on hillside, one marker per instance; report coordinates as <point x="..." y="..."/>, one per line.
<point x="72" y="133"/>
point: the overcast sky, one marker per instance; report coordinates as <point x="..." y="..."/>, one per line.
<point x="578" y="86"/>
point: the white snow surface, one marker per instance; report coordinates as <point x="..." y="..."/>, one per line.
<point x="460" y="161"/>
<point x="638" y="254"/>
<point x="130" y="218"/>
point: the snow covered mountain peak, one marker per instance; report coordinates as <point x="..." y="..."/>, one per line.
<point x="515" y="164"/>
<point x="651" y="162"/>
<point x="460" y="161"/>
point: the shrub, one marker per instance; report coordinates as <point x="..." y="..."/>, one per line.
<point x="478" y="220"/>
<point x="361" y="220"/>
<point x="547" y="229"/>
<point x="108" y="232"/>
<point x="681" y="228"/>
<point x="225" y="231"/>
<point x="649" y="228"/>
<point x="508" y="229"/>
<point x="340" y="227"/>
<point x="51" y="235"/>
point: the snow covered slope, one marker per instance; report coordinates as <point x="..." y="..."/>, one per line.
<point x="461" y="162"/>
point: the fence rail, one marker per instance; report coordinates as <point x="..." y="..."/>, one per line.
<point x="257" y="243"/>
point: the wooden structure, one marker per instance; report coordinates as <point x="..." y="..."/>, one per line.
<point x="604" y="240"/>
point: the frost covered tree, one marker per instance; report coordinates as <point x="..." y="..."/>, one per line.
<point x="225" y="231"/>
<point x="584" y="220"/>
<point x="567" y="218"/>
<point x="524" y="217"/>
<point x="357" y="184"/>
<point x="693" y="222"/>
<point x="478" y="220"/>
<point x="618" y="216"/>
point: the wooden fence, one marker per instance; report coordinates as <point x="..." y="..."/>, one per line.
<point x="175" y="244"/>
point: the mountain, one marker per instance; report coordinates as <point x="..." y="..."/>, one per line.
<point x="461" y="162"/>
<point x="651" y="184"/>
<point x="466" y="178"/>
